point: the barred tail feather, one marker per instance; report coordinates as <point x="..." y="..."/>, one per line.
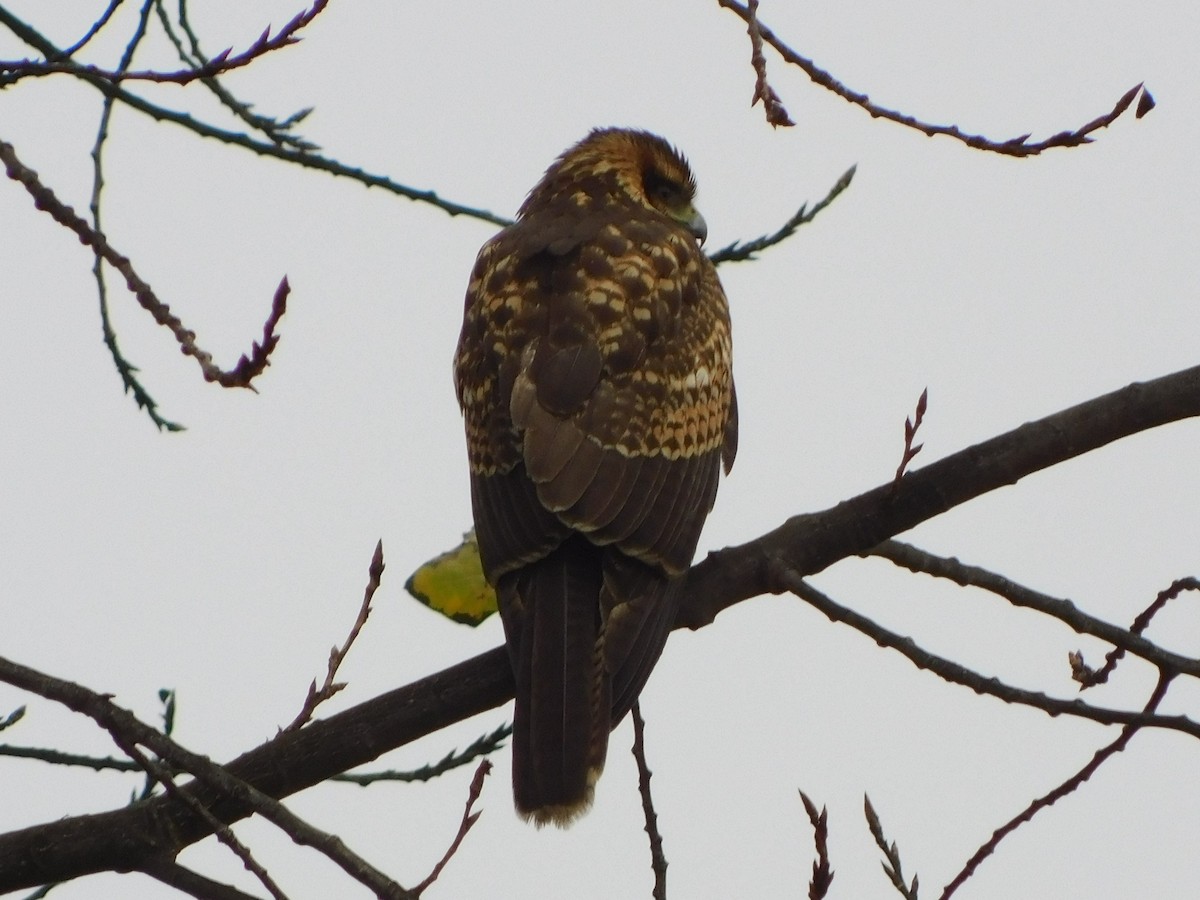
<point x="563" y="693"/>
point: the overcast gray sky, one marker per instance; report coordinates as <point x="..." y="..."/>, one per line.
<point x="226" y="560"/>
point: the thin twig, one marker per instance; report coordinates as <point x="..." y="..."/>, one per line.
<point x="822" y="873"/>
<point x="1072" y="783"/>
<point x="223" y="62"/>
<point x="891" y="852"/>
<point x="1089" y="677"/>
<point x="481" y="746"/>
<point x="911" y="427"/>
<point x="241" y="374"/>
<point x="93" y="30"/>
<point x="302" y="158"/>
<point x="955" y="673"/>
<point x="160" y="773"/>
<point x="1017" y="146"/>
<point x="275" y="130"/>
<point x="125" y="369"/>
<point x="317" y="696"/>
<point x="777" y="116"/>
<point x="917" y="560"/>
<point x="468" y="820"/>
<point x="658" y="859"/>
<point x="740" y="252"/>
<point x="12" y="718"/>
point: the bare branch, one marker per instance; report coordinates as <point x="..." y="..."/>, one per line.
<point x="481" y="746"/>
<point x="658" y="859"/>
<point x="1017" y="146"/>
<point x="822" y="873"/>
<point x="276" y="130"/>
<point x="891" y="852"/>
<point x="125" y="369"/>
<point x="955" y="673"/>
<point x="740" y="252"/>
<point x="814" y="541"/>
<point x="79" y="845"/>
<point x="910" y="432"/>
<point x="223" y="62"/>
<point x="468" y="820"/>
<point x="192" y="883"/>
<point x="916" y="560"/>
<point x="317" y="696"/>
<point x="777" y="116"/>
<point x="127" y="731"/>
<point x="246" y="368"/>
<point x="1101" y="755"/>
<point x="1088" y="677"/>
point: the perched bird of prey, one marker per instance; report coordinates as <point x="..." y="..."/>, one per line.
<point x="594" y="371"/>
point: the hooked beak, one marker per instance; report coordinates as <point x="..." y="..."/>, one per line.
<point x="694" y="222"/>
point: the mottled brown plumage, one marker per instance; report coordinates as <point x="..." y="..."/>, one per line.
<point x="594" y="371"/>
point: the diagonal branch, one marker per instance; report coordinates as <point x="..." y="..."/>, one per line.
<point x="1065" y="611"/>
<point x="1071" y="784"/>
<point x="125" y="838"/>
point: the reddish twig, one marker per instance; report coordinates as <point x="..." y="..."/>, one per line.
<point x="910" y="432"/>
<point x="468" y="820"/>
<point x="1017" y="146"/>
<point x="317" y="696"/>
<point x="241" y="374"/>
<point x="225" y="61"/>
<point x="776" y="115"/>
<point x="1089" y="677"/>
<point x="1160" y="691"/>
<point x="822" y="874"/>
<point x="658" y="860"/>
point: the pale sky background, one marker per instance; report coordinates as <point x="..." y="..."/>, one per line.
<point x="226" y="560"/>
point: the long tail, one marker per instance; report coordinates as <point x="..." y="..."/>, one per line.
<point x="562" y="719"/>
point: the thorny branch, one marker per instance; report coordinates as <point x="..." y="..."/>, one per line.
<point x="1017" y="146"/>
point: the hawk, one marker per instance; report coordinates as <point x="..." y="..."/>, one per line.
<point x="594" y="372"/>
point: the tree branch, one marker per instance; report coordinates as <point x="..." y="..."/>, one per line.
<point x="125" y="838"/>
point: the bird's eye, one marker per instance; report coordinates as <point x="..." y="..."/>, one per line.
<point x="660" y="190"/>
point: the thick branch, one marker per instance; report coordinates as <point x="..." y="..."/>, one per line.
<point x="124" y="839"/>
<point x="812" y="542"/>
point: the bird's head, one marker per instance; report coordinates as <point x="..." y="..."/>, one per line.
<point x="617" y="162"/>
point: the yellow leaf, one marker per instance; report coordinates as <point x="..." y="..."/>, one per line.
<point x="453" y="584"/>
